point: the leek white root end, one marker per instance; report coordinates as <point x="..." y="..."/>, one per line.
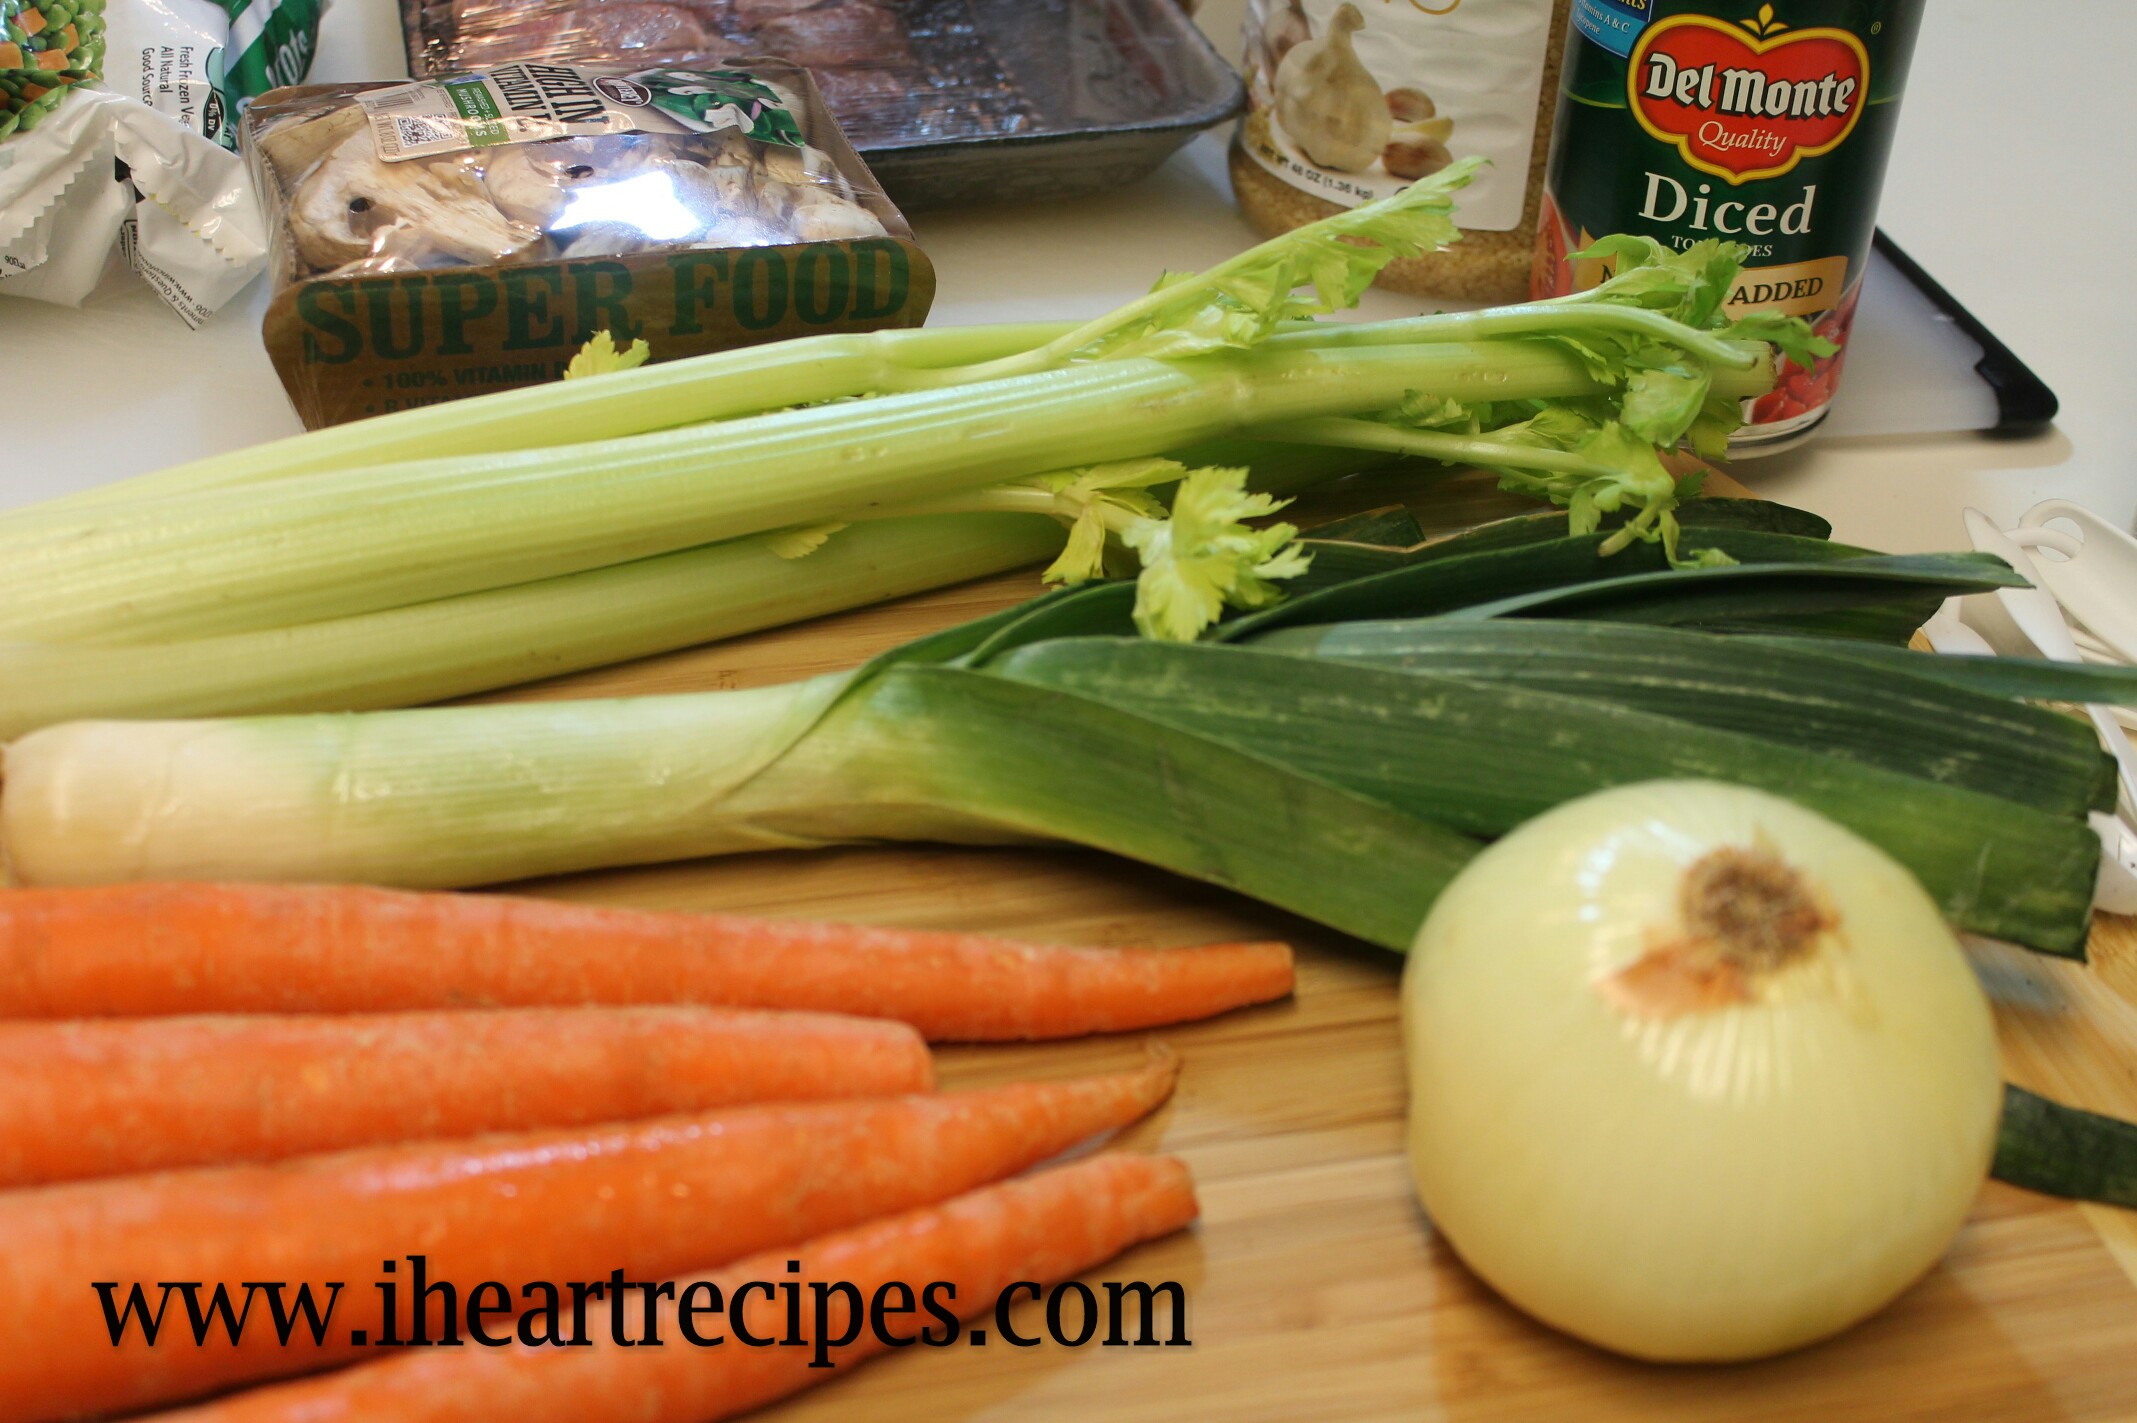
<point x="506" y="791"/>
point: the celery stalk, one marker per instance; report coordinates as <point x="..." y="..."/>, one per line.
<point x="452" y="647"/>
<point x="1580" y="405"/>
<point x="312" y="547"/>
<point x="1251" y="295"/>
<point x="720" y="386"/>
<point x="456" y="646"/>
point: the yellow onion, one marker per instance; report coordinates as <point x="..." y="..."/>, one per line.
<point x="1695" y="1073"/>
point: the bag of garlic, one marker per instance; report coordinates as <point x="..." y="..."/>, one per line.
<point x="1350" y="100"/>
<point x="469" y="234"/>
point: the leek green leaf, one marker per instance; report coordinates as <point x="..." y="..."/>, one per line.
<point x="2018" y="678"/>
<point x="2063" y="1151"/>
<point x="1747" y="593"/>
<point x="1444" y="748"/>
<point x="1568" y="574"/>
<point x="1802" y="695"/>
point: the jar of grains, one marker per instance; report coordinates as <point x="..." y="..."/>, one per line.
<point x="1350" y="100"/>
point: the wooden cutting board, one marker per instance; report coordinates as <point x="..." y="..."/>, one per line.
<point x="1316" y="1289"/>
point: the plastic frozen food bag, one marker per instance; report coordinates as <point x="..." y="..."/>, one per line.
<point x="201" y="61"/>
<point x="100" y="172"/>
<point x="454" y="236"/>
<point x="117" y="139"/>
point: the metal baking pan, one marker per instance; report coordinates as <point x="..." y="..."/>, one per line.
<point x="949" y="101"/>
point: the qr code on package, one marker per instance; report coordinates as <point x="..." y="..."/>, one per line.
<point x="405" y="136"/>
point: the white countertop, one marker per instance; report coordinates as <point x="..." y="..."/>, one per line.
<point x="2004" y="185"/>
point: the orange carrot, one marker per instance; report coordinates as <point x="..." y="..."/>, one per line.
<point x="137" y="950"/>
<point x="1042" y="1229"/>
<point x="107" y="1097"/>
<point x="652" y="1199"/>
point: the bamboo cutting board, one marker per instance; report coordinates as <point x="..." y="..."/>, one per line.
<point x="1316" y="1289"/>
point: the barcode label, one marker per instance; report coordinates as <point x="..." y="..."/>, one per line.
<point x="402" y="136"/>
<point x="407" y="96"/>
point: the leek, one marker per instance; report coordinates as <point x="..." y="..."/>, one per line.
<point x="1011" y="728"/>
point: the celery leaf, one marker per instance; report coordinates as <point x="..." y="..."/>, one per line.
<point x="1097" y="500"/>
<point x="599" y="356"/>
<point x="1322" y="267"/>
<point x="1690" y="286"/>
<point x="1205" y="558"/>
<point x="801" y="541"/>
<point x="1790" y="335"/>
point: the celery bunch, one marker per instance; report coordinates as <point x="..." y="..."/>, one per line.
<point x="501" y="527"/>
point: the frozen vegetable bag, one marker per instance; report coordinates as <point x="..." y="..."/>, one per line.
<point x="202" y="61"/>
<point x="117" y="131"/>
<point x="468" y="234"/>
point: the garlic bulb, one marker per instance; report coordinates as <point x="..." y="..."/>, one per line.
<point x="1327" y="100"/>
<point x="1695" y="1073"/>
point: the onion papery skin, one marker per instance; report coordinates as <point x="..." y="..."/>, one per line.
<point x="1714" y="1184"/>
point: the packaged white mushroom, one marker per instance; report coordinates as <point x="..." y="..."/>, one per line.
<point x="468" y="234"/>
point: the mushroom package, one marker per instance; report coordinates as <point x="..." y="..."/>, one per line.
<point x="538" y="162"/>
<point x="469" y="234"/>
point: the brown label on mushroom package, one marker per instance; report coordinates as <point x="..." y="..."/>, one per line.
<point x="371" y="345"/>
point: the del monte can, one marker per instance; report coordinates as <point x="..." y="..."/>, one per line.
<point x="1764" y="124"/>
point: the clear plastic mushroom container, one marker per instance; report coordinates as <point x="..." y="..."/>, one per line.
<point x="456" y="236"/>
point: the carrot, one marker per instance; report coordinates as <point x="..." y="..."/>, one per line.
<point x="138" y="950"/>
<point x="1042" y="1229"/>
<point x="107" y="1097"/>
<point x="652" y="1199"/>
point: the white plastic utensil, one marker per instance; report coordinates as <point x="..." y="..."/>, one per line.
<point x="2036" y="615"/>
<point x="2096" y="577"/>
<point x="1949" y="634"/>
